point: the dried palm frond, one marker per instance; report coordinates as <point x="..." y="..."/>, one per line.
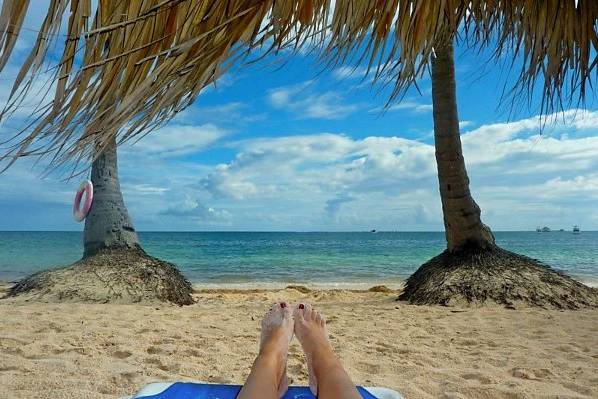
<point x="129" y="66"/>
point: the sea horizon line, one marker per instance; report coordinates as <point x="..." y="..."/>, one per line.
<point x="292" y="231"/>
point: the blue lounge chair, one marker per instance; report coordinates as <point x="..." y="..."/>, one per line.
<point x="197" y="390"/>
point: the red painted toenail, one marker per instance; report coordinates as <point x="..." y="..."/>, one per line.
<point x="301" y="306"/>
<point x="283" y="305"/>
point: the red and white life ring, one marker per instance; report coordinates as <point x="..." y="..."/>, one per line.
<point x="85" y="188"/>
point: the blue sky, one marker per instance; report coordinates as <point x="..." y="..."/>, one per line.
<point x="290" y="146"/>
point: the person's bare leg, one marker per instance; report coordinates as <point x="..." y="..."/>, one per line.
<point x="327" y="377"/>
<point x="268" y="377"/>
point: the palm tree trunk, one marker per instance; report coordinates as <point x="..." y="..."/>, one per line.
<point x="107" y="226"/>
<point x="462" y="222"/>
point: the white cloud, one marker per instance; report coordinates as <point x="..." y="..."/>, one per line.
<point x="327" y="178"/>
<point x="411" y="106"/>
<point x="191" y="208"/>
<point x="301" y="100"/>
<point x="227" y="114"/>
<point x="39" y="95"/>
<point x="282" y="96"/>
<point x="346" y="72"/>
<point x="332" y="181"/>
<point x="464" y="124"/>
<point x="405" y="105"/>
<point x="529" y="143"/>
<point x="227" y="109"/>
<point x="333" y="205"/>
<point x="146" y="189"/>
<point x="176" y="140"/>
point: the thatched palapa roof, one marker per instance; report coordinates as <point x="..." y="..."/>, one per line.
<point x="128" y="66"/>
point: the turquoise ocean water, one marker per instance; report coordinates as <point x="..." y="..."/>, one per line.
<point x="273" y="259"/>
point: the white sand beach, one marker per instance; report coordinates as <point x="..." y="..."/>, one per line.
<point x="64" y="350"/>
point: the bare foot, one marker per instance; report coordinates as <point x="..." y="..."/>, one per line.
<point x="277" y="332"/>
<point x="310" y="329"/>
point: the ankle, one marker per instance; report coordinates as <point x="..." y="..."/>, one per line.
<point x="322" y="354"/>
<point x="270" y="360"/>
<point x="320" y="349"/>
<point x="325" y="363"/>
<point x="271" y="353"/>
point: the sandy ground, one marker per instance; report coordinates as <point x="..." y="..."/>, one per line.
<point x="108" y="351"/>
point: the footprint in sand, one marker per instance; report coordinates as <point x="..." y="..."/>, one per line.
<point x="543" y="373"/>
<point x="105" y="390"/>
<point x="191" y="352"/>
<point x="481" y="378"/>
<point x="526" y="374"/>
<point x="129" y="376"/>
<point x="154" y="350"/>
<point x="369" y="368"/>
<point x="121" y="354"/>
<point x="578" y="388"/>
<point x="468" y="342"/>
<point x="151" y="360"/>
<point x="384" y="345"/>
<point x="171" y="367"/>
<point x="9" y="368"/>
<point x="55" y="328"/>
<point x="297" y="369"/>
<point x="164" y="341"/>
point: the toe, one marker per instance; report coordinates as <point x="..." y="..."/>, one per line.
<point x="286" y="309"/>
<point x="299" y="312"/>
<point x="317" y="317"/>
<point x="308" y="312"/>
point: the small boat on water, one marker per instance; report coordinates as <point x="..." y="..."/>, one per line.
<point x="576" y="230"/>
<point x="543" y="230"/>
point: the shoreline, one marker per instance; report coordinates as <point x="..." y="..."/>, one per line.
<point x="249" y="288"/>
<point x="324" y="286"/>
<point x="393" y="285"/>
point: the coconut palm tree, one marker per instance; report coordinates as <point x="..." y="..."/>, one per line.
<point x="166" y="51"/>
<point x="115" y="63"/>
<point x="114" y="267"/>
<point x="473" y="268"/>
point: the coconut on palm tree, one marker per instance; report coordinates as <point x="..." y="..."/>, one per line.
<point x="164" y="52"/>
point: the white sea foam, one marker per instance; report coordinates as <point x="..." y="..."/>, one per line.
<point x="276" y="285"/>
<point x="589" y="281"/>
